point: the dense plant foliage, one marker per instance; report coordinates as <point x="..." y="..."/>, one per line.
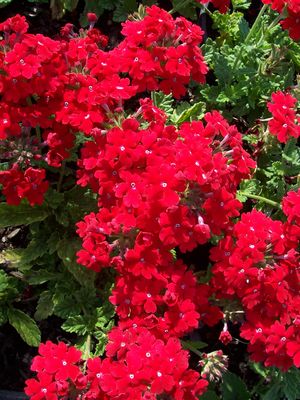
<point x="121" y="163"/>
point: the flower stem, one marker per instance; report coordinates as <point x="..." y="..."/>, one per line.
<point x="61" y="175"/>
<point x="260" y="198"/>
<point x="249" y="36"/>
<point x="179" y="6"/>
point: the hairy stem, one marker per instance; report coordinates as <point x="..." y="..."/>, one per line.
<point x="260" y="198"/>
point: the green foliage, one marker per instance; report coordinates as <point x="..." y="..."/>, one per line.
<point x="48" y="265"/>
<point x="233" y="388"/>
<point x="284" y="386"/>
<point x="248" y="65"/>
<point x="209" y="395"/>
<point x="163" y="101"/>
<point x="22" y="214"/>
<point x="4" y="3"/>
<point x="187" y="8"/>
<point x="25" y="326"/>
<point x="241" y="4"/>
<point x="45" y="306"/>
<point x="183" y="112"/>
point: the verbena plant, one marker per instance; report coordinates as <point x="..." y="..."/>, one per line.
<point x="119" y="162"/>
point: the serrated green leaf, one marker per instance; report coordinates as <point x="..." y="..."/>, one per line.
<point x="250" y="186"/>
<point x="163" y="101"/>
<point x="76" y="324"/>
<point x="241" y="4"/>
<point x="291" y="158"/>
<point x="233" y="388"/>
<point x="23" y="214"/>
<point x="25" y="326"/>
<point x="65" y="305"/>
<point x="45" y="306"/>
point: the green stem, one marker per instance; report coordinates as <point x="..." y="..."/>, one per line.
<point x="256" y="23"/>
<point x="203" y="7"/>
<point x="38" y="133"/>
<point x="260" y="198"/>
<point x="249" y="36"/>
<point x="87" y="349"/>
<point x="275" y="22"/>
<point x="191" y="348"/>
<point x="61" y="176"/>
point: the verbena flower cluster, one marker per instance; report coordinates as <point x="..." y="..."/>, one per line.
<point x="158" y="187"/>
<point x="258" y="265"/>
<point x="70" y="84"/>
<point x="285" y="122"/>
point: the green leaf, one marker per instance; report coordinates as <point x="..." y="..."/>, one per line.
<point x="41" y="276"/>
<point x="23" y="214"/>
<point x="70" y="5"/>
<point x="4" y="284"/>
<point x="185" y="8"/>
<point x="250" y="186"/>
<point x="259" y="369"/>
<point x="163" y="101"/>
<point x="233" y="388"/>
<point x="209" y="395"/>
<point x="123" y="9"/>
<point x="291" y="158"/>
<point x="54" y="198"/>
<point x="291" y="384"/>
<point x="241" y="4"/>
<point x="64" y="304"/>
<point x="66" y="250"/>
<point x="196" y="110"/>
<point x="4" y="3"/>
<point x="273" y="393"/>
<point x="76" y="324"/>
<point x="45" y="306"/>
<point x="3" y="315"/>
<point x="52" y="242"/>
<point x="25" y="326"/>
<point x="197" y="344"/>
<point x="8" y="287"/>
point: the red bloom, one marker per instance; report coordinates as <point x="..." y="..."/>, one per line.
<point x="44" y="388"/>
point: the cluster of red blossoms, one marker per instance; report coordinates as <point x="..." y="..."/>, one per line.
<point x="53" y="88"/>
<point x="285" y="122"/>
<point x="258" y="265"/>
<point x="159" y="187"/>
<point x="145" y="211"/>
<point x="136" y="360"/>
<point x="291" y="22"/>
